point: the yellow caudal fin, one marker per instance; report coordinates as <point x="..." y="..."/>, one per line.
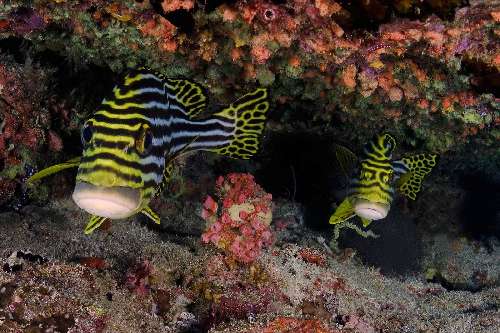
<point x="248" y="114"/>
<point x="72" y="163"/>
<point x="94" y="223"/>
<point x="344" y="212"/>
<point x="418" y="166"/>
<point x="151" y="214"/>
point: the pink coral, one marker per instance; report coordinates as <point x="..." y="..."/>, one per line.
<point x="244" y="214"/>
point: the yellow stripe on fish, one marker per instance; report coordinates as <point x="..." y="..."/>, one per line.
<point x="371" y="191"/>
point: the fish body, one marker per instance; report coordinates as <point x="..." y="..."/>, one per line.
<point x="372" y="190"/>
<point x="132" y="138"/>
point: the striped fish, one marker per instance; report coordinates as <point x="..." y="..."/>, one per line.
<point x="372" y="191"/>
<point x="131" y="140"/>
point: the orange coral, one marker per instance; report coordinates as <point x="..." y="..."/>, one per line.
<point x="496" y="16"/>
<point x="171" y="5"/>
<point x="386" y="79"/>
<point x="260" y="53"/>
<point x="395" y="94"/>
<point x="228" y="13"/>
<point x="349" y="76"/>
<point x="162" y="30"/>
<point x="236" y="53"/>
<point x="327" y="7"/>
<point x="294" y="61"/>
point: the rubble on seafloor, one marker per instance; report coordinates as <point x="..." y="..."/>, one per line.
<point x="132" y="279"/>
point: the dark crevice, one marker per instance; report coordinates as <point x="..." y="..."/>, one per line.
<point x="210" y="6"/>
<point x="481" y="207"/>
<point x="183" y="19"/>
<point x="301" y="167"/>
<point x="484" y="79"/>
<point x="369" y="15"/>
<point x="455" y="286"/>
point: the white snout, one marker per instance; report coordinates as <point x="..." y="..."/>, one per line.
<point x="371" y="210"/>
<point x="111" y="202"/>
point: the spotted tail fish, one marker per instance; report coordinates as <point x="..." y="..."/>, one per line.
<point x="132" y="138"/>
<point x="372" y="191"/>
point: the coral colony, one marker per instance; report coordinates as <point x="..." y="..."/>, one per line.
<point x="241" y="226"/>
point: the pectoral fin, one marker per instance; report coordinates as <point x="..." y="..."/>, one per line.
<point x="74" y="162"/>
<point x="344" y="212"/>
<point x="151" y="214"/>
<point x="418" y="167"/>
<point x="94" y="223"/>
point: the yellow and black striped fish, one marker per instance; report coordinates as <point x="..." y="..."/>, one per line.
<point x="372" y="191"/>
<point x="131" y="140"/>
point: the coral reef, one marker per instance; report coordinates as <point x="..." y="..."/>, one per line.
<point x="426" y="71"/>
<point x="148" y="284"/>
<point x="429" y="80"/>
<point x="241" y="227"/>
<point x="28" y="113"/>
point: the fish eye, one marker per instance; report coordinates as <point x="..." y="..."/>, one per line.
<point x="86" y="134"/>
<point x="145" y="141"/>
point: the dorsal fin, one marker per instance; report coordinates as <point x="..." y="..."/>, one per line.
<point x="346" y="159"/>
<point x="190" y="95"/>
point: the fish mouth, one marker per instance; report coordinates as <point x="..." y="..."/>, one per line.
<point x="371" y="210"/>
<point x="115" y="202"/>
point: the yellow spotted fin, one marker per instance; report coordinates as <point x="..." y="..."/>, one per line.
<point x="418" y="167"/>
<point x="344" y="212"/>
<point x="248" y="115"/>
<point x="72" y="163"/>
